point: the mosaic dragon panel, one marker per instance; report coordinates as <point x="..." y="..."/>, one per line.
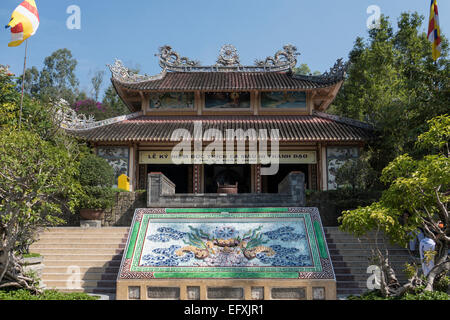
<point x="227" y="243"/>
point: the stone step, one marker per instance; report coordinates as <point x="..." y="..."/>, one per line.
<point x="91" y="255"/>
<point x="82" y="263"/>
<point x="58" y="245"/>
<point x="366" y="258"/>
<point x="347" y="238"/>
<point x="84" y="269"/>
<point x="95" y="290"/>
<point x="351" y="285"/>
<point x="336" y="231"/>
<point x="368" y="253"/>
<point x="350" y="270"/>
<point x="103" y="230"/>
<point x="84" y="240"/>
<point x="87" y="251"/>
<point x="399" y="268"/>
<point x="82" y="235"/>
<point x="80" y="285"/>
<point x="82" y="276"/>
<point x="347" y="291"/>
<point x="82" y="257"/>
<point x="362" y="278"/>
<point x="354" y="245"/>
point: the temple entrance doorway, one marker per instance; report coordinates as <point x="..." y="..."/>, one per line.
<point x="227" y="175"/>
<point x="180" y="175"/>
<point x="270" y="183"/>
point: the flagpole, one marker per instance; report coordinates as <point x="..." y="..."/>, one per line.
<point x="23" y="83"/>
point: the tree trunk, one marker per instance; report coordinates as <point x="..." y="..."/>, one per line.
<point x="436" y="271"/>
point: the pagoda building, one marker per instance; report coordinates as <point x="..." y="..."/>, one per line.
<point x="199" y="105"/>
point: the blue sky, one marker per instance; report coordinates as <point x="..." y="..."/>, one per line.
<point x="322" y="30"/>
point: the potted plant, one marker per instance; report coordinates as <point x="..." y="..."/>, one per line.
<point x="96" y="179"/>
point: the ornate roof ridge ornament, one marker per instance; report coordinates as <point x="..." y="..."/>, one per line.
<point x="228" y="61"/>
<point x="336" y="73"/>
<point x="70" y="120"/>
<point x="123" y="74"/>
<point x="228" y="56"/>
<point x="171" y="60"/>
<point x="284" y="58"/>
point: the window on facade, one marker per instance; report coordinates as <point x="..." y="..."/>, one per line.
<point x="283" y="100"/>
<point x="172" y="100"/>
<point x="227" y="100"/>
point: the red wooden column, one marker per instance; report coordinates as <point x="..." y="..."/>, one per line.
<point x="258" y="180"/>
<point x="197" y="178"/>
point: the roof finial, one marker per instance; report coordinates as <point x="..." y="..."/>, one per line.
<point x="228" y="56"/>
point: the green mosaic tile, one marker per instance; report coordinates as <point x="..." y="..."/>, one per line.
<point x="266" y="243"/>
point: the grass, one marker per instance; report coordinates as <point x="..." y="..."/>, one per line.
<point x="46" y="295"/>
<point x="31" y="255"/>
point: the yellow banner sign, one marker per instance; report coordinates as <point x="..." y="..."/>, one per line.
<point x="285" y="157"/>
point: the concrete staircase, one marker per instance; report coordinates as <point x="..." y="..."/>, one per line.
<point x="81" y="260"/>
<point x="350" y="258"/>
<point x="88" y="260"/>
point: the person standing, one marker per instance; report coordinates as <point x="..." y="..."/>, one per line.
<point x="426" y="244"/>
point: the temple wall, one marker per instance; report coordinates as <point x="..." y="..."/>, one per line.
<point x="161" y="194"/>
<point x="121" y="214"/>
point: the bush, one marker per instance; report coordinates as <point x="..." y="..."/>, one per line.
<point x="420" y="294"/>
<point x="332" y="203"/>
<point x="355" y="175"/>
<point x="96" y="171"/>
<point x="46" y="295"/>
<point x="96" y="178"/>
<point x="97" y="198"/>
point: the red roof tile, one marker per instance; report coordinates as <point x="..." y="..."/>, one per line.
<point x="291" y="128"/>
<point x="204" y="81"/>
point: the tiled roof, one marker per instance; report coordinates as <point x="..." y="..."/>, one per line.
<point x="204" y="81"/>
<point x="291" y="128"/>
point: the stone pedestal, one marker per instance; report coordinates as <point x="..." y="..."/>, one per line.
<point x="90" y="224"/>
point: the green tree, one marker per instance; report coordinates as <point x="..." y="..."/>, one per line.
<point x="114" y="102"/>
<point x="418" y="196"/>
<point x="56" y="80"/>
<point x="97" y="81"/>
<point x="394" y="84"/>
<point x="96" y="178"/>
<point x="9" y="97"/>
<point x="37" y="181"/>
<point x="355" y="174"/>
<point x="304" y="69"/>
<point x="37" y="116"/>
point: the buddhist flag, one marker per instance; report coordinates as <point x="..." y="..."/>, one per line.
<point x="24" y="22"/>
<point x="434" y="31"/>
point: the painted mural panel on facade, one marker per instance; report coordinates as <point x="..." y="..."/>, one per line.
<point x="118" y="158"/>
<point x="336" y="158"/>
<point x="283" y="100"/>
<point x="172" y="100"/>
<point x="227" y="100"/>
